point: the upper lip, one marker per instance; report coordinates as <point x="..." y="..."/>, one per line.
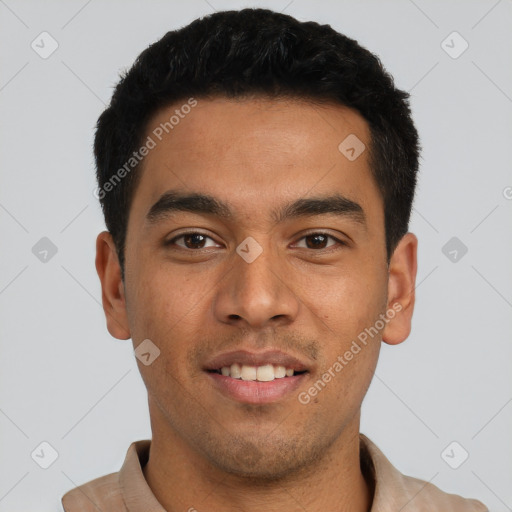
<point x="245" y="357"/>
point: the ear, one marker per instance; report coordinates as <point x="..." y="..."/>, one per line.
<point x="112" y="287"/>
<point x="401" y="286"/>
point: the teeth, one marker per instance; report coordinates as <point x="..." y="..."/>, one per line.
<point x="249" y="372"/>
<point x="235" y="371"/>
<point x="280" y="372"/>
<point x="263" y="373"/>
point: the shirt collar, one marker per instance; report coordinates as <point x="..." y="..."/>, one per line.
<point x="136" y="493"/>
<point x="376" y="468"/>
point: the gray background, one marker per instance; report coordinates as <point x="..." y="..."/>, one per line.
<point x="64" y="380"/>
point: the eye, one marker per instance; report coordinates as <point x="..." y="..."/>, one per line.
<point x="191" y="240"/>
<point x="195" y="240"/>
<point x="319" y="241"/>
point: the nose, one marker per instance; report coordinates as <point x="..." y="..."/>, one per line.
<point x="257" y="294"/>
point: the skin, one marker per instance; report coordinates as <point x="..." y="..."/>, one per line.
<point x="209" y="451"/>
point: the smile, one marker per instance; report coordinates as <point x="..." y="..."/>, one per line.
<point x="264" y="373"/>
<point x="252" y="390"/>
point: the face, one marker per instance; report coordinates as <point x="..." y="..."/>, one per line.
<point x="293" y="260"/>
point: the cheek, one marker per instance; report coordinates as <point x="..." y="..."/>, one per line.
<point x="349" y="304"/>
<point x="159" y="311"/>
<point x="165" y="312"/>
<point x="162" y="297"/>
<point x="347" y="300"/>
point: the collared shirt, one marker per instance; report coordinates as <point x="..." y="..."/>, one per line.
<point x="128" y="491"/>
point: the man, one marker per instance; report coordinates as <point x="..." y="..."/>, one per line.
<point x="257" y="176"/>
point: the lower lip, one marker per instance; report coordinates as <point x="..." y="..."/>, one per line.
<point x="256" y="392"/>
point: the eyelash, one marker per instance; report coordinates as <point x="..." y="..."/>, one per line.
<point x="322" y="233"/>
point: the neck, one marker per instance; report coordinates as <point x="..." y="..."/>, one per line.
<point x="183" y="479"/>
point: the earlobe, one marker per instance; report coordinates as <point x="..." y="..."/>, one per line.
<point x="401" y="290"/>
<point x="112" y="287"/>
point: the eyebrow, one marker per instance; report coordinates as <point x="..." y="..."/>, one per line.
<point x="202" y="204"/>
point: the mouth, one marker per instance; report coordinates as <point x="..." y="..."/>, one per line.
<point x="256" y="378"/>
<point x="265" y="373"/>
<point x="255" y="391"/>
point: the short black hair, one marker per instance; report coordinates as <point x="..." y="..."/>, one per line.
<point x="238" y="54"/>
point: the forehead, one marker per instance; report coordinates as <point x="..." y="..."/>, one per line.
<point x="254" y="153"/>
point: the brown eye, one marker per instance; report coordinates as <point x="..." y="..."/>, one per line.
<point x="316" y="241"/>
<point x="319" y="241"/>
<point x="192" y="240"/>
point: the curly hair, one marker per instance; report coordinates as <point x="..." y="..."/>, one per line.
<point x="259" y="52"/>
